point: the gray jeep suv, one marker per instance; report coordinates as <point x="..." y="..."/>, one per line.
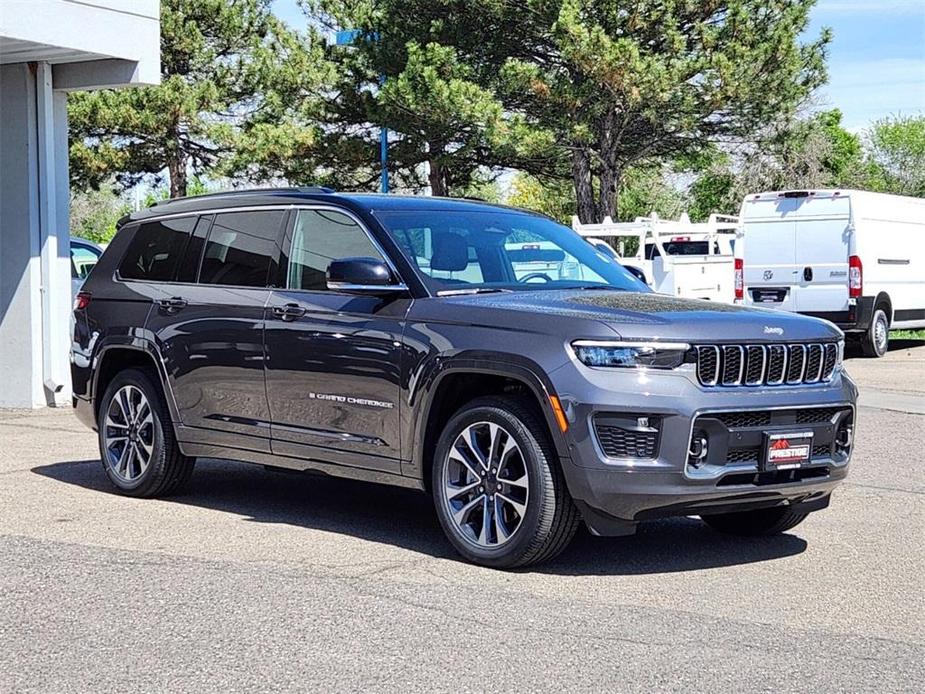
<point x="486" y="355"/>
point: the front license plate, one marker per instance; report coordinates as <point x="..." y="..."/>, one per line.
<point x="784" y="451"/>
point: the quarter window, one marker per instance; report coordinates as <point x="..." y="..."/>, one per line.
<point x="319" y="237"/>
<point x="240" y="248"/>
<point x="155" y="250"/>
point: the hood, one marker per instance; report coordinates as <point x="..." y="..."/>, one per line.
<point x="639" y="315"/>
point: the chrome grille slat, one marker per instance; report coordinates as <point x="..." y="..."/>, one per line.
<point x="766" y="365"/>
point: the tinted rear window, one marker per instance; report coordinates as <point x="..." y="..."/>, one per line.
<point x="156" y="249"/>
<point x="240" y="248"/>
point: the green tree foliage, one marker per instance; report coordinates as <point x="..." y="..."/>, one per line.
<point x="624" y="84"/>
<point x="897" y="154"/>
<point x="412" y="69"/>
<point x="812" y="152"/>
<point x="554" y="198"/>
<point x="224" y="65"/>
<point x="94" y="213"/>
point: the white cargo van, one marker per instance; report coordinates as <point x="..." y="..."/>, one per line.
<point x="851" y="257"/>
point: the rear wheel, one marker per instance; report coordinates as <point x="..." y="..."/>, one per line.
<point x="137" y="444"/>
<point x="765" y="521"/>
<point x="876" y="340"/>
<point x="498" y="490"/>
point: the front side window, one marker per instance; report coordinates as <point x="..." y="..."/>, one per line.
<point x="322" y="236"/>
<point x="155" y="250"/>
<point x="497" y="249"/>
<point x="240" y="248"/>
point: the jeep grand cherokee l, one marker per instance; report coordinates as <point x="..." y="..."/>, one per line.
<point x="392" y="339"/>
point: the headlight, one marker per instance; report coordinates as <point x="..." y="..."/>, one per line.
<point x="650" y="355"/>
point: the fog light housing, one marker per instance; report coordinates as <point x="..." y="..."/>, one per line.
<point x="699" y="449"/>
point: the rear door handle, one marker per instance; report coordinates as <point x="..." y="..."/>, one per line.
<point x="808" y="274"/>
<point x="288" y="312"/>
<point x="174" y="303"/>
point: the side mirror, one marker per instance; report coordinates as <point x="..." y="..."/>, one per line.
<point x="636" y="272"/>
<point x="362" y="276"/>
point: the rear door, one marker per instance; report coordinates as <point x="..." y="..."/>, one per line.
<point x="770" y="262"/>
<point x="822" y="237"/>
<point x="333" y="359"/>
<point x="209" y="327"/>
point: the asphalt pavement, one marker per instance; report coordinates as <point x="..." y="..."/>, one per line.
<point x="257" y="581"/>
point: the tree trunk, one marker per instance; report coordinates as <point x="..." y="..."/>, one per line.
<point x="584" y="192"/>
<point x="436" y="178"/>
<point x="607" y="200"/>
<point x="176" y="168"/>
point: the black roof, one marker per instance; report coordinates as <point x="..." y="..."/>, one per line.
<point x="278" y="196"/>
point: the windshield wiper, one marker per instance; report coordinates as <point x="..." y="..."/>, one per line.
<point x="605" y="287"/>
<point x="472" y="290"/>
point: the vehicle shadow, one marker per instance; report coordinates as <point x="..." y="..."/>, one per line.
<point x="853" y="350"/>
<point x="405" y="518"/>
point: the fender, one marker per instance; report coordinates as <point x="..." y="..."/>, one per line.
<point x="138" y="344"/>
<point x="434" y="370"/>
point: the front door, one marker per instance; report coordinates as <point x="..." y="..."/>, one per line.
<point x="333" y="359"/>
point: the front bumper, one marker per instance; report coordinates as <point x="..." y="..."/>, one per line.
<point x="616" y="492"/>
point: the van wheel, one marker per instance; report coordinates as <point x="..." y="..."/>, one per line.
<point x="137" y="444"/>
<point x="498" y="490"/>
<point x="876" y="340"/>
<point x="764" y="521"/>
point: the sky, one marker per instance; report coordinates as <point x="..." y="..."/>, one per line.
<point x="876" y="59"/>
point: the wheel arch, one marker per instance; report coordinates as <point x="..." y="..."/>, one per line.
<point x="115" y="357"/>
<point x="883" y="299"/>
<point x="452" y="383"/>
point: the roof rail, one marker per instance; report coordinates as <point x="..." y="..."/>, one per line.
<point x="250" y="191"/>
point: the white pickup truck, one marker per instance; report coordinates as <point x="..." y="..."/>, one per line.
<point x="676" y="257"/>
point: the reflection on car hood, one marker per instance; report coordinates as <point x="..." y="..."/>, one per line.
<point x="650" y="315"/>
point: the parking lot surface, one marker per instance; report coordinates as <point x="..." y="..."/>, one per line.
<point x="258" y="581"/>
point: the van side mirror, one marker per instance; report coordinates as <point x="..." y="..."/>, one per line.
<point x="362" y="276"/>
<point x="636" y="272"/>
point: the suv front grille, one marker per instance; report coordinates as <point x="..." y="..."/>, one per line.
<point x="765" y="365"/>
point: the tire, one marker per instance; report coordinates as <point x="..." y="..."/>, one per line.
<point x="757" y="523"/>
<point x="149" y="462"/>
<point x="876" y="341"/>
<point x="532" y="515"/>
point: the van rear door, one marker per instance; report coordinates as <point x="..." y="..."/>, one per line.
<point x="822" y="236"/>
<point x="769" y="257"/>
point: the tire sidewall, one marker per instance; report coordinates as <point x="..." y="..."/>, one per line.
<point x="537" y="469"/>
<point x="874" y="348"/>
<point x="155" y="469"/>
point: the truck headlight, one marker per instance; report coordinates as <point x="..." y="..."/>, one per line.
<point x="649" y="355"/>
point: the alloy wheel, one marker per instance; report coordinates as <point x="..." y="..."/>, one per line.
<point x="128" y="434"/>
<point x="486" y="485"/>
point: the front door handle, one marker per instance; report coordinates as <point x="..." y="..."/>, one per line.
<point x="808" y="274"/>
<point x="288" y="312"/>
<point x="174" y="303"/>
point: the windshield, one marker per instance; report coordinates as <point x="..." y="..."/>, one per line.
<point x="495" y="249"/>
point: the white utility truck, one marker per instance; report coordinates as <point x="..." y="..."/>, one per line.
<point x="675" y="257"/>
<point x="852" y="257"/>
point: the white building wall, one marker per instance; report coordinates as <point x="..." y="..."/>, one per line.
<point x="47" y="48"/>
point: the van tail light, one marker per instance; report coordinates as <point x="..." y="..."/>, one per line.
<point x="855" y="277"/>
<point x="81" y="301"/>
<point x="740" y="278"/>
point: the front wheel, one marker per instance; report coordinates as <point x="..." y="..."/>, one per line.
<point x="876" y="340"/>
<point x="764" y="521"/>
<point x="498" y="490"/>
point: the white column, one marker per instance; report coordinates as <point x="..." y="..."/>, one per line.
<point x="34" y="240"/>
<point x="54" y="238"/>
